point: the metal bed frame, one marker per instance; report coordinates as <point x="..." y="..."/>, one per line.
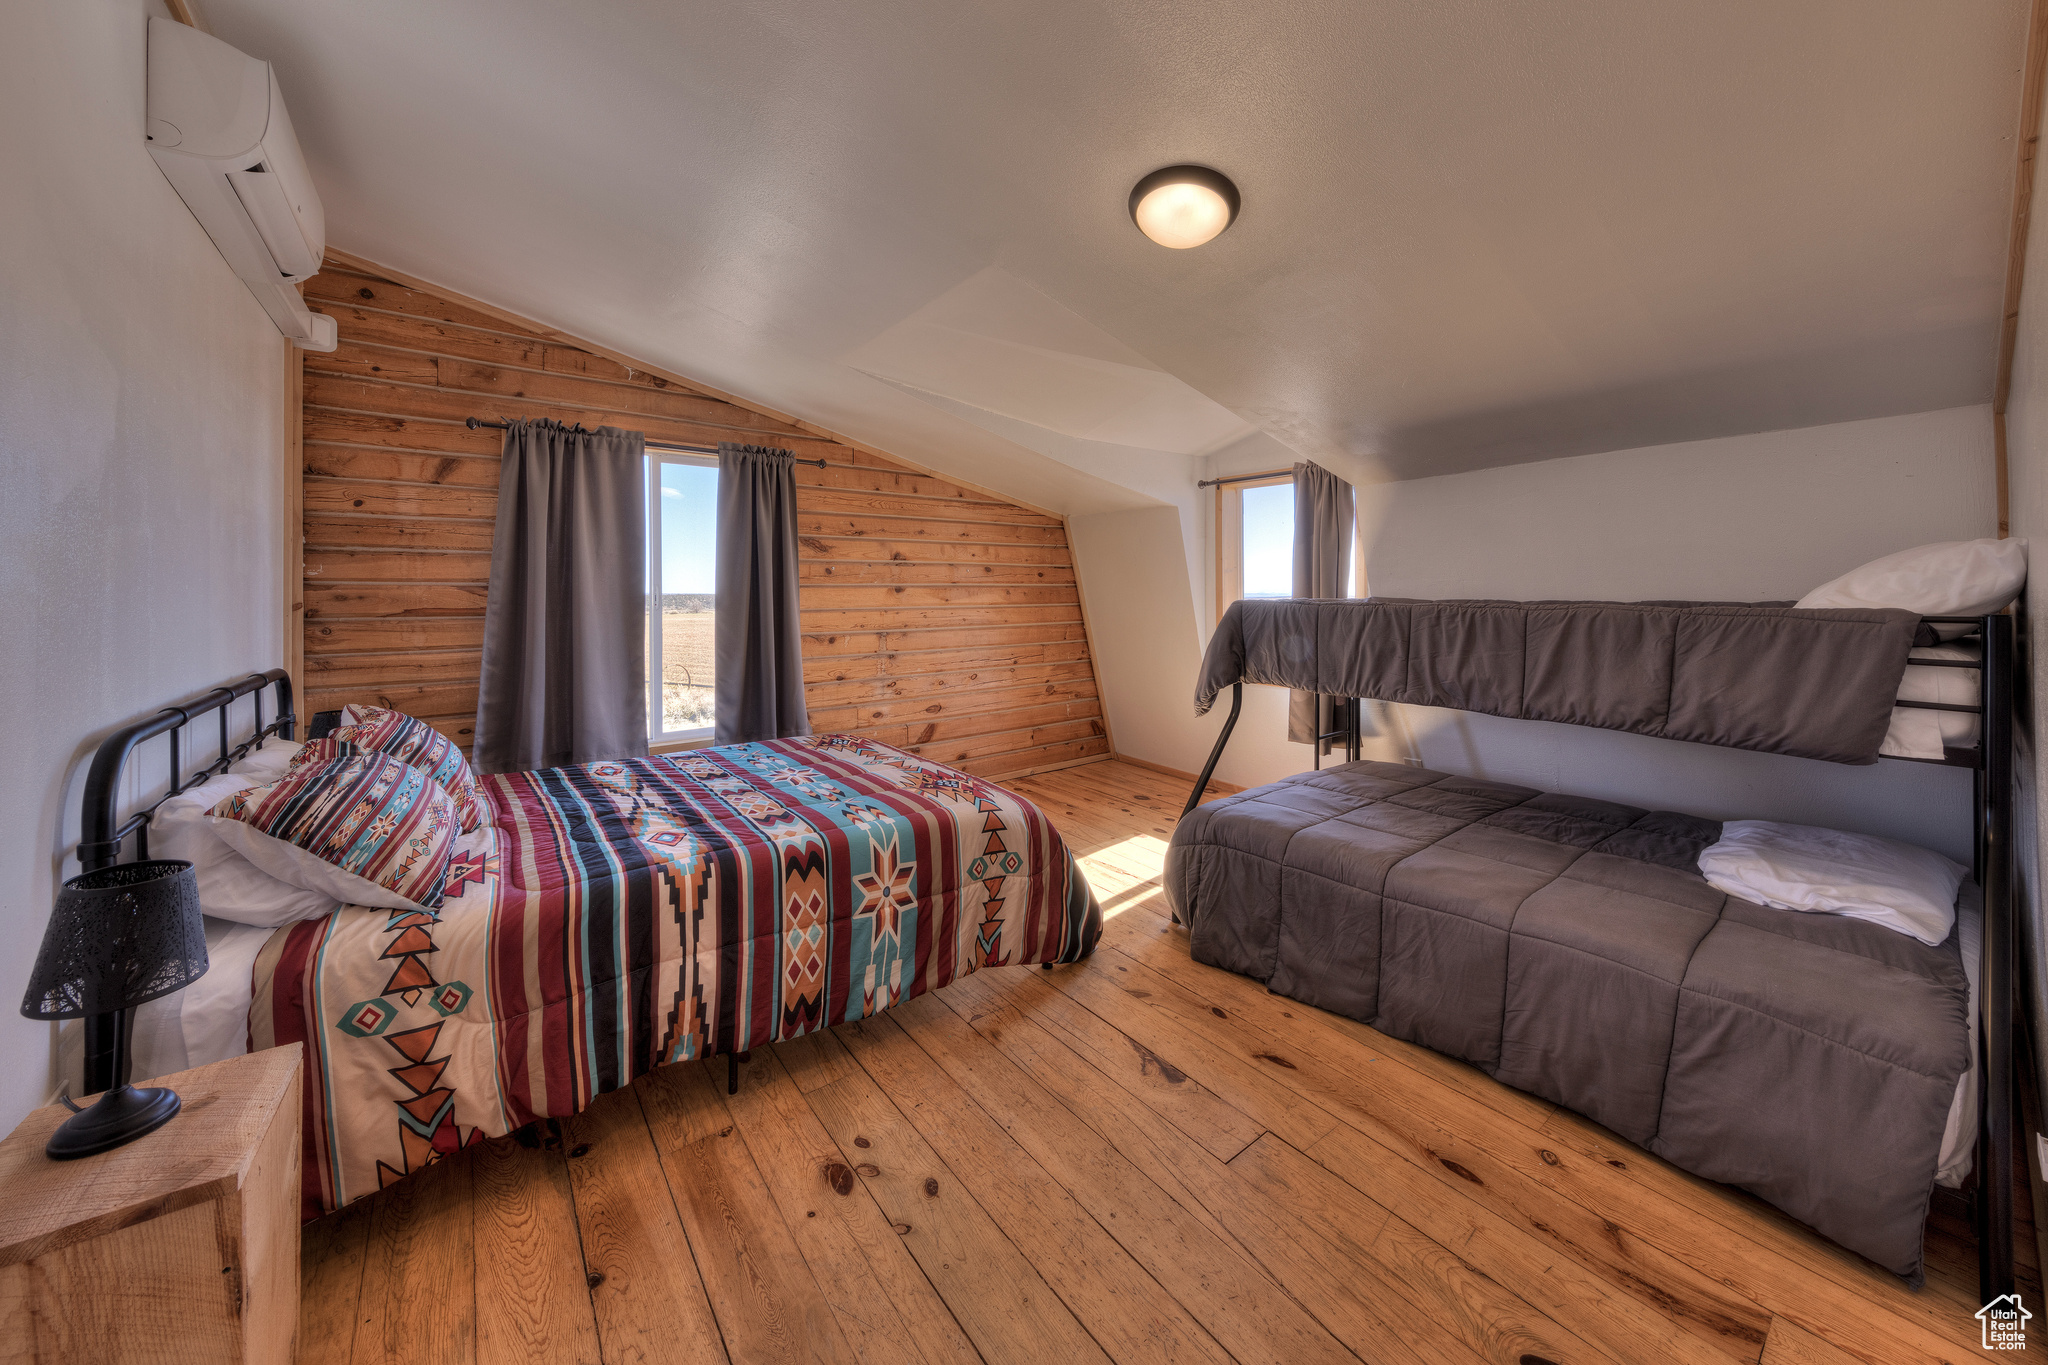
<point x="102" y="831"/>
<point x="1991" y="758"/>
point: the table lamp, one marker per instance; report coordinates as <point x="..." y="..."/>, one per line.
<point x="119" y="937"/>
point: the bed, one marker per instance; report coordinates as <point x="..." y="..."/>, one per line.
<point x="606" y="919"/>
<point x="1572" y="948"/>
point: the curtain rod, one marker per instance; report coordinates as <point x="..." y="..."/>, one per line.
<point x="475" y="422"/>
<point x="1241" y="478"/>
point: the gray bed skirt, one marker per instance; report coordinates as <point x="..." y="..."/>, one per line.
<point x="1570" y="948"/>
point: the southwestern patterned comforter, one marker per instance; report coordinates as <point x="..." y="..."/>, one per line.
<point x="616" y="916"/>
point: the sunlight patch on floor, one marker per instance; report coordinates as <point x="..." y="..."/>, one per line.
<point x="1123" y="873"/>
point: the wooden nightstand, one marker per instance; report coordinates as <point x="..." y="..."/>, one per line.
<point x="182" y="1246"/>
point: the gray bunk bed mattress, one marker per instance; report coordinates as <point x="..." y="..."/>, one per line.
<point x="1570" y="948"/>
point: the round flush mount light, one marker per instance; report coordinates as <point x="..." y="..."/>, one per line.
<point x="1183" y="206"/>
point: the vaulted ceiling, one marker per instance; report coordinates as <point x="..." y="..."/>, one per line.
<point x="1473" y="233"/>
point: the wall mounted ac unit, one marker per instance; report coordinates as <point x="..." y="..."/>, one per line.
<point x="219" y="132"/>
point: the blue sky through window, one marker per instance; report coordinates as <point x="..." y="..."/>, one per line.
<point x="689" y="528"/>
<point x="1269" y="541"/>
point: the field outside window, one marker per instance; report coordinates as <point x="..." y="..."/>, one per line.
<point x="682" y="557"/>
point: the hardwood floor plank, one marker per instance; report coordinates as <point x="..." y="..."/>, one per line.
<point x="1679" y="1210"/>
<point x="645" y="1292"/>
<point x="1153" y="939"/>
<point x="1370" y="1154"/>
<point x="1204" y="1271"/>
<point x="1287" y="1251"/>
<point x="1495" y="1322"/>
<point x="1428" y="1122"/>
<point x="532" y="1302"/>
<point x="886" y="1307"/>
<point x="419" y="1278"/>
<point x="1607" y="1284"/>
<point x="1790" y="1344"/>
<point x="1245" y="1085"/>
<point x="814" y="1061"/>
<point x="1124" y="1308"/>
<point x="1007" y="1310"/>
<point x="333" y="1252"/>
<point x="768" y="1305"/>
<point x="1727" y="1328"/>
<point x="1007" y="996"/>
<point x="1515" y="1256"/>
<point x="1077" y="1081"/>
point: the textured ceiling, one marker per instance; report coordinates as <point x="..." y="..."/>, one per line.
<point x="1472" y="234"/>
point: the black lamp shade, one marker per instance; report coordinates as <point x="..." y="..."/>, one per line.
<point x="118" y="937"/>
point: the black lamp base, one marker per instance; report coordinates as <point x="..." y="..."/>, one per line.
<point x="117" y="1117"/>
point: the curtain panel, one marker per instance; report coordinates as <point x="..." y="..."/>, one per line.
<point x="1322" y="554"/>
<point x="759" y="662"/>
<point x="565" y="625"/>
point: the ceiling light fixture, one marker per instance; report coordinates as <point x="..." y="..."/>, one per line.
<point x="1183" y="206"/>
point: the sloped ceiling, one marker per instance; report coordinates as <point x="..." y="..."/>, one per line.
<point x="1473" y="233"/>
<point x="995" y="343"/>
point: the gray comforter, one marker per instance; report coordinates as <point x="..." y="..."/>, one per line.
<point x="1571" y="949"/>
<point x="1744" y="675"/>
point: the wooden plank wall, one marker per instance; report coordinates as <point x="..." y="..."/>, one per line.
<point x="936" y="617"/>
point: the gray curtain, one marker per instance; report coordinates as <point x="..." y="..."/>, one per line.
<point x="565" y="626"/>
<point x="759" y="661"/>
<point x="1322" y="554"/>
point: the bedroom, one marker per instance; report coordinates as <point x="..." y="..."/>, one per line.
<point x="796" y="947"/>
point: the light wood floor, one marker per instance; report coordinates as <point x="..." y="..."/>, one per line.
<point x="1131" y="1159"/>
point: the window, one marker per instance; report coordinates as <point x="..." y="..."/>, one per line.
<point x="682" y="559"/>
<point x="1255" y="539"/>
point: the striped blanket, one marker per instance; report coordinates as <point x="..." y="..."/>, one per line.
<point x="617" y="916"/>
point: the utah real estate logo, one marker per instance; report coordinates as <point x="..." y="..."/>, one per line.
<point x="2005" y="1324"/>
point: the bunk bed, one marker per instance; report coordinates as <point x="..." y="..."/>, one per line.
<point x="1572" y="948"/>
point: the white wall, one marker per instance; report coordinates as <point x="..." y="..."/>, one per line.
<point x="1147" y="641"/>
<point x="1741" y="518"/>
<point x="142" y="406"/>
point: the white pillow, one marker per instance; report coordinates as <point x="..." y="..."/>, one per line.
<point x="1916" y="732"/>
<point x="1798" y="867"/>
<point x="230" y="886"/>
<point x="268" y="763"/>
<point x="1955" y="578"/>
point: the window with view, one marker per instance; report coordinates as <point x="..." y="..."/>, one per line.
<point x="1268" y="534"/>
<point x="682" y="558"/>
<point x="1255" y="539"/>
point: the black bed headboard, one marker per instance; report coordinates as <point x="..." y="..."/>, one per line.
<point x="101" y="828"/>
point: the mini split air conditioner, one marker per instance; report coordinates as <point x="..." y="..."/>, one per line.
<point x="219" y="132"/>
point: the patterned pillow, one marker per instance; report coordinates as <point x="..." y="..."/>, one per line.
<point x="315" y="753"/>
<point x="372" y="728"/>
<point x="366" y="829"/>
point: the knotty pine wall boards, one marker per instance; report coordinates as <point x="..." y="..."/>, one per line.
<point x="936" y="617"/>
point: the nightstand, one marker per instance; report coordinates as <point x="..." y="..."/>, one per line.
<point x="182" y="1246"/>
